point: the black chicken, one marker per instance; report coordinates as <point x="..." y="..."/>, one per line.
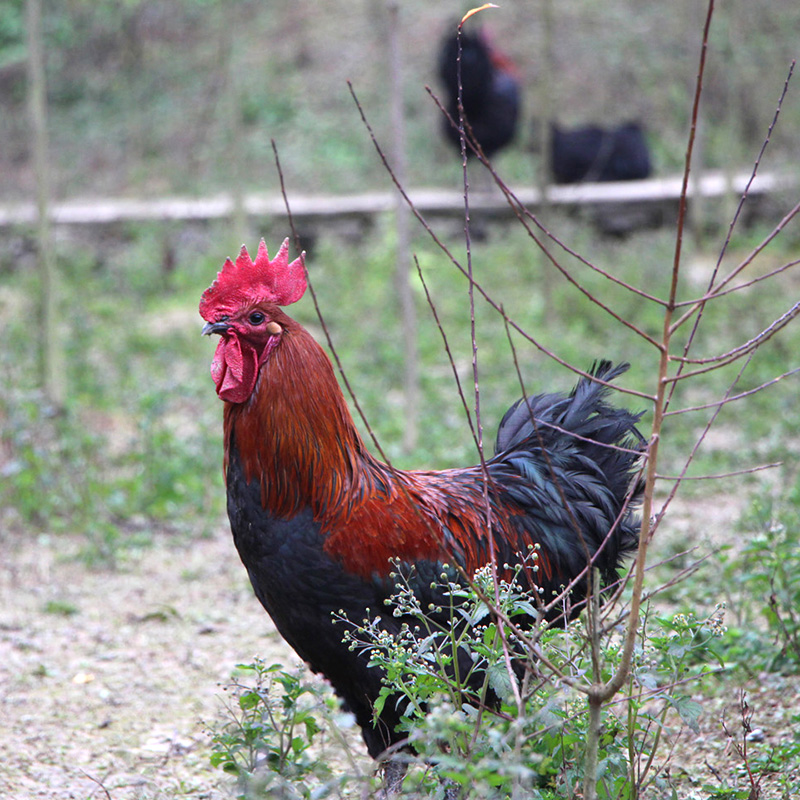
<point x="592" y="153"/>
<point x="490" y="91"/>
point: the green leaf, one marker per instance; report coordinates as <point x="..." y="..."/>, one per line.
<point x="312" y="727"/>
<point x="689" y="711"/>
<point x="500" y="680"/>
<point x="249" y="700"/>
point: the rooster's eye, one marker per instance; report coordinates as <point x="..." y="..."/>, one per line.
<point x="256" y="318"/>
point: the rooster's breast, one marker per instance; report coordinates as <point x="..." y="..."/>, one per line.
<point x="306" y="591"/>
<point x="297" y="582"/>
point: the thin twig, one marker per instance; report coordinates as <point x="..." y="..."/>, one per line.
<point x="446" y="343"/>
<point x="98" y="782"/>
<point x="576" y="527"/>
<point x="737" y="353"/>
<point x="453" y="260"/>
<point x="522" y="213"/>
<point x="721" y="475"/>
<point x="733" y="398"/>
<point x="475" y="373"/>
<point x="718" y="291"/>
<point x="322" y="323"/>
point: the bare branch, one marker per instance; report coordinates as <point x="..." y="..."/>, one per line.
<point x="322" y="322"/>
<point x="739" y="286"/>
<point x="720" y="475"/>
<point x="699" y="309"/>
<point x="522" y="213"/>
<point x="733" y="398"/>
<point x="450" y="358"/>
<point x="615" y="683"/>
<point x="478" y="287"/>
<point x="742" y="350"/>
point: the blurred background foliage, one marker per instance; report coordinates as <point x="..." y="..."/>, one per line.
<point x="146" y="95"/>
<point x="151" y="98"/>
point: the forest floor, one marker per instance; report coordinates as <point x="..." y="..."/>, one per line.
<point x="112" y="678"/>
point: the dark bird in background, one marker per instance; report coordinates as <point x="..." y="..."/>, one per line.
<point x="320" y="524"/>
<point x="592" y="153"/>
<point x="490" y="91"/>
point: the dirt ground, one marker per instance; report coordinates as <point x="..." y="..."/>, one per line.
<point x="110" y="678"/>
<point x="113" y="699"/>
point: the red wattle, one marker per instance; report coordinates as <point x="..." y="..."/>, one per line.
<point x="234" y="370"/>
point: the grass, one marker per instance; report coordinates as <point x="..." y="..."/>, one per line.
<point x="136" y="445"/>
<point x="143" y="424"/>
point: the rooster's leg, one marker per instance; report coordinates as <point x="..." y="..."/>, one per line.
<point x="451" y="790"/>
<point x="394" y="770"/>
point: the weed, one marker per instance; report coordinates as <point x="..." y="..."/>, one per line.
<point x="769" y="565"/>
<point x="271" y="741"/>
<point x="465" y="728"/>
<point x="60" y="608"/>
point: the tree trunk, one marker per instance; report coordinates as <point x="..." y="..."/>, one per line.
<point x="52" y="354"/>
<point x="545" y="117"/>
<point x="233" y="127"/>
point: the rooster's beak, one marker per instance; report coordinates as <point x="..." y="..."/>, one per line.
<point x="215" y="327"/>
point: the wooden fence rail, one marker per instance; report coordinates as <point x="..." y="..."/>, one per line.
<point x="653" y="196"/>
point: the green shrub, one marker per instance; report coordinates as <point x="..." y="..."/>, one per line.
<point x="271" y="739"/>
<point x="768" y="569"/>
<point x="533" y="748"/>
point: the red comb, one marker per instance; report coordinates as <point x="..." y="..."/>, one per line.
<point x="246" y="282"/>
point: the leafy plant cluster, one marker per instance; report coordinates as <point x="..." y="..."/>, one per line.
<point x="529" y="744"/>
<point x="274" y="739"/>
<point x="281" y="735"/>
<point x="768" y="569"/>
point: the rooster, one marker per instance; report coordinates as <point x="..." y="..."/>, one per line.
<point x="490" y="92"/>
<point x="321" y="525"/>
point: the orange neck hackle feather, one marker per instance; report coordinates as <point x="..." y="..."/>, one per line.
<point x="293" y="434"/>
<point x="297" y="438"/>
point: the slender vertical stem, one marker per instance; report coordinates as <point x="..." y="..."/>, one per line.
<point x="474" y="340"/>
<point x="595" y="696"/>
<point x="468" y="246"/>
<point x="402" y="231"/>
<point x="618" y="679"/>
